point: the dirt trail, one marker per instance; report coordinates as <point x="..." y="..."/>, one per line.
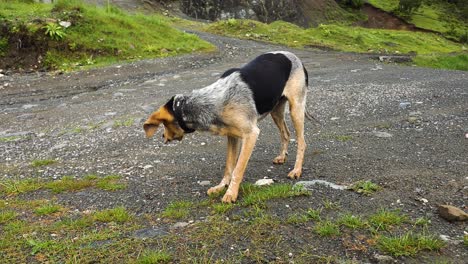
<point x="401" y="127"/>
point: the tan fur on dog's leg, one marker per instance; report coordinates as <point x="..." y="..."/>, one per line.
<point x="248" y="144"/>
<point x="278" y="117"/>
<point x="231" y="158"/>
<point x="297" y="109"/>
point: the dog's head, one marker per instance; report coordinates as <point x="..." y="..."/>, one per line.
<point x="164" y="115"/>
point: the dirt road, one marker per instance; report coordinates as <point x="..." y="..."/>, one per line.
<point x="401" y="127"/>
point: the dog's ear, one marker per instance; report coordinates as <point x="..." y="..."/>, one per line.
<point x="163" y="114"/>
<point x="151" y="124"/>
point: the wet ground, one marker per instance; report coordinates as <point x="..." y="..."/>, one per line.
<point x="402" y="127"/>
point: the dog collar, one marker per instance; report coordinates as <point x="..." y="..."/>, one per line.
<point x="177" y="108"/>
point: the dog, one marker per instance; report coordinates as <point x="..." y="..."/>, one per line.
<point x="233" y="105"/>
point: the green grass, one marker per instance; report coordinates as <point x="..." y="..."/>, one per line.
<point x="42" y="162"/>
<point x="365" y="187"/>
<point x="345" y="38"/>
<point x="258" y="195"/>
<point x="66" y="184"/>
<point x="47" y="209"/>
<point x="329" y="205"/>
<point x="98" y="36"/>
<point x="408" y="244"/>
<point x="327" y="228"/>
<point x="124" y="123"/>
<point x="153" y="257"/>
<point x="6" y="216"/>
<point x="297" y="218"/>
<point x="314" y="214"/>
<point x="177" y="210"/>
<point x="9" y="139"/>
<point x="351" y="221"/>
<point x="384" y="219"/>
<point x="118" y="215"/>
<point x="450" y="62"/>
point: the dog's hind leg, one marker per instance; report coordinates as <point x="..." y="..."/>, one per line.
<point x="278" y="117"/>
<point x="297" y="109"/>
<point x="232" y="153"/>
<point x="248" y="144"/>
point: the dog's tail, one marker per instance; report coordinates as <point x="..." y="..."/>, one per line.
<point x="308" y="115"/>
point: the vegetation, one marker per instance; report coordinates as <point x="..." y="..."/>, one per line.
<point x="365" y="187"/>
<point x="96" y="36"/>
<point x="408" y="244"/>
<point x="42" y="162"/>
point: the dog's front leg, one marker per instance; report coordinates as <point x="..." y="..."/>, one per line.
<point x="231" y="158"/>
<point x="248" y="144"/>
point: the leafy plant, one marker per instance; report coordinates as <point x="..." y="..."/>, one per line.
<point x="54" y="31"/>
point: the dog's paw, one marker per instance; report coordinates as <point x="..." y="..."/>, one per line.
<point x="229" y="197"/>
<point x="295" y="173"/>
<point x="279" y="160"/>
<point x="216" y="189"/>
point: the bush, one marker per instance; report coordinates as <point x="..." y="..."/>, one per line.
<point x="407" y="7"/>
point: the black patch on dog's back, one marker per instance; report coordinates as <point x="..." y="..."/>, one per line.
<point x="266" y="76"/>
<point x="229" y="72"/>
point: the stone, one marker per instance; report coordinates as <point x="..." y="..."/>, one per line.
<point x="309" y="185"/>
<point x="262" y="182"/>
<point x="180" y="225"/>
<point x="65" y="24"/>
<point x="383" y="258"/>
<point x="381" y="134"/>
<point x="404" y="105"/>
<point x="204" y="183"/>
<point x="118" y="94"/>
<point x="28" y="106"/>
<point x="58" y="146"/>
<point x="452" y="213"/>
<point x="151" y="232"/>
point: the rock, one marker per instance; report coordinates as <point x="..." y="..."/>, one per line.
<point x="147" y="167"/>
<point x="395" y="58"/>
<point x="449" y="240"/>
<point x="25" y="116"/>
<point x="118" y="94"/>
<point x="262" y="182"/>
<point x="452" y="213"/>
<point x="65" y="24"/>
<point x="381" y="134"/>
<point x="309" y="185"/>
<point x="404" y="105"/>
<point x="149" y="233"/>
<point x="383" y="258"/>
<point x="180" y="225"/>
<point x="58" y="146"/>
<point x="204" y="183"/>
<point x="110" y="114"/>
<point x="28" y="106"/>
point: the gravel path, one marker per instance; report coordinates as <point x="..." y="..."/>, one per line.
<point x="401" y="127"/>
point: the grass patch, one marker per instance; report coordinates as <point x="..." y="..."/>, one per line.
<point x="408" y="244"/>
<point x="97" y="35"/>
<point x="329" y="205"/>
<point x="124" y="123"/>
<point x="327" y="228"/>
<point x="338" y="37"/>
<point x="9" y="139"/>
<point x="450" y="62"/>
<point x="297" y="218"/>
<point x="422" y="221"/>
<point x="14" y="187"/>
<point x="314" y="214"/>
<point x="42" y="162"/>
<point x="153" y="257"/>
<point x="68" y="183"/>
<point x="222" y="208"/>
<point x="110" y="183"/>
<point x="118" y="215"/>
<point x="6" y="216"/>
<point x="365" y="187"/>
<point x="351" y="221"/>
<point x="258" y="195"/>
<point x="177" y="210"/>
<point x="384" y="219"/>
<point x="47" y="209"/>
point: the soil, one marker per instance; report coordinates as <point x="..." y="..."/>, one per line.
<point x="74" y="119"/>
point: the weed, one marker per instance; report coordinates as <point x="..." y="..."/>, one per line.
<point x="47" y="209"/>
<point x="153" y="257"/>
<point x="327" y="204"/>
<point x="351" y="221"/>
<point x="384" y="219"/>
<point x="327" y="228"/>
<point x="253" y="194"/>
<point x="408" y="244"/>
<point x="297" y="218"/>
<point x="314" y="214"/>
<point x="365" y="187"/>
<point x="422" y="221"/>
<point x="9" y="139"/>
<point x="118" y="214"/>
<point x="68" y="183"/>
<point x="343" y="138"/>
<point x="42" y="162"/>
<point x="6" y="216"/>
<point x="54" y="31"/>
<point x="124" y="123"/>
<point x="14" y="187"/>
<point x="177" y="210"/>
<point x="109" y="183"/>
<point x="222" y="208"/>
<point x="465" y="240"/>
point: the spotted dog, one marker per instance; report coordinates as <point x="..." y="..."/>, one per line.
<point x="233" y="105"/>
